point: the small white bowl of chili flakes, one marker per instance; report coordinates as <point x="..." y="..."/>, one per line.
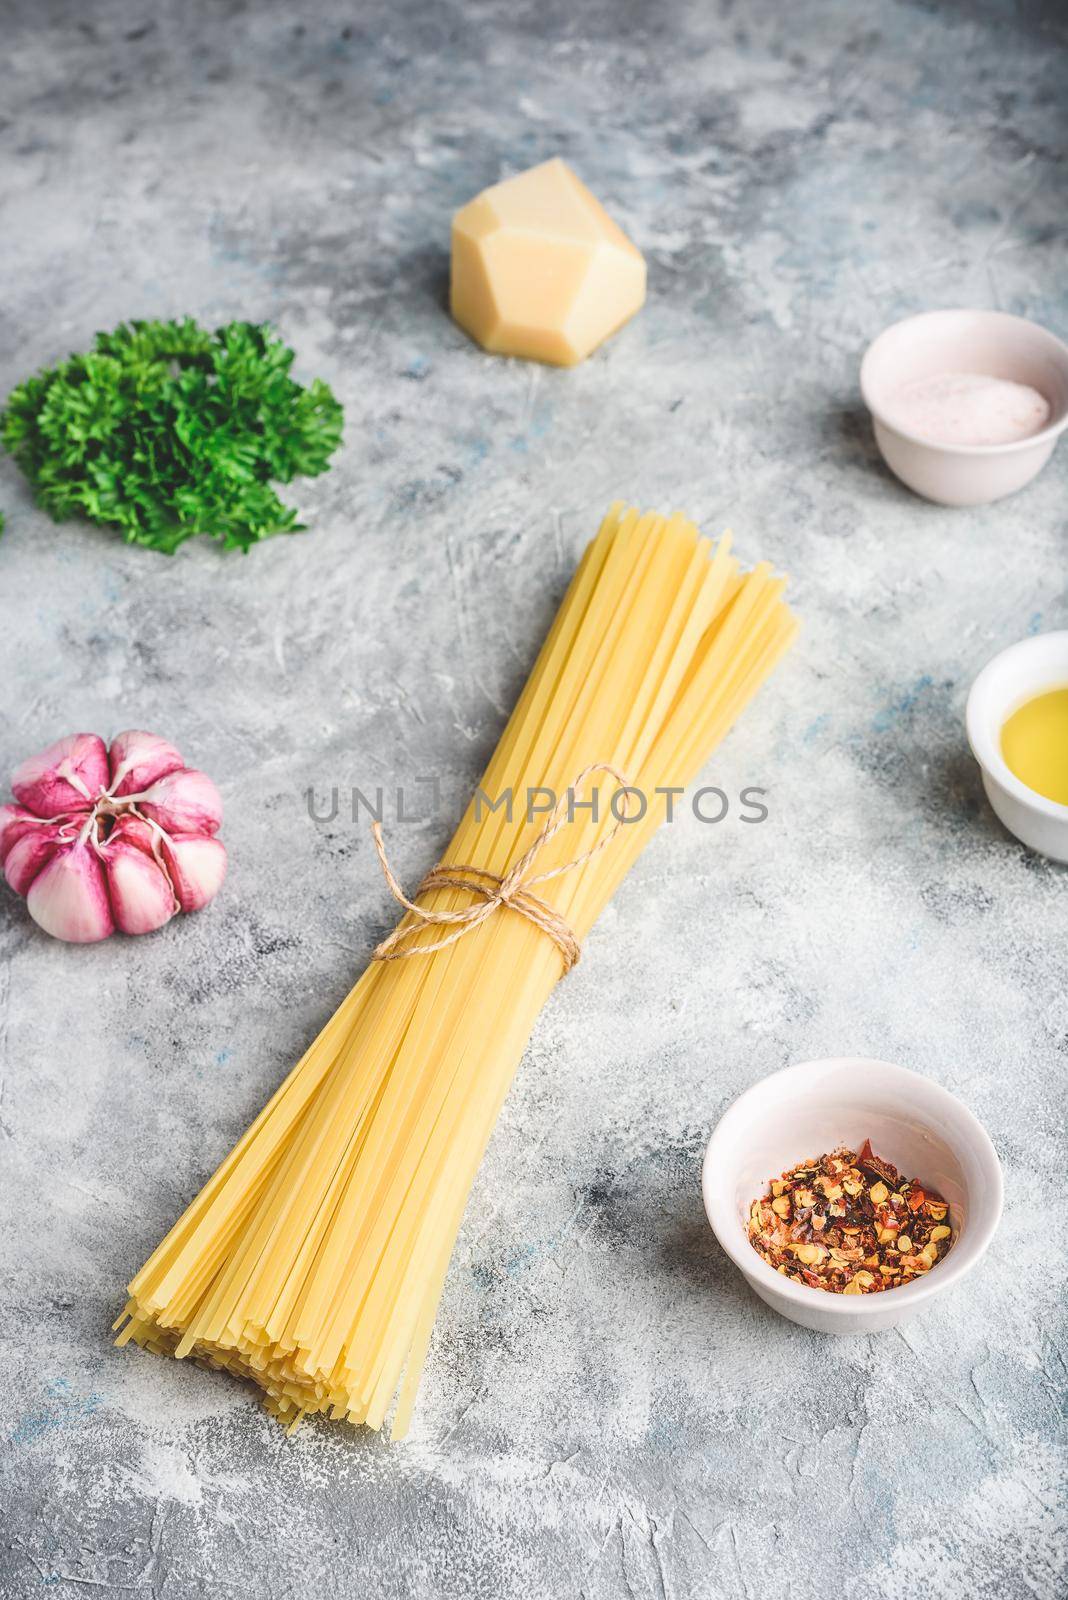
<point x="849" y="1192"/>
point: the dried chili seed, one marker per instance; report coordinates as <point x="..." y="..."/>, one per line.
<point x="839" y="1223"/>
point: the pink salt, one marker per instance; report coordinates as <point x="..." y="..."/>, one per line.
<point x="968" y="408"/>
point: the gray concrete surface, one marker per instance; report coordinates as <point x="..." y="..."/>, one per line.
<point x="606" y="1412"/>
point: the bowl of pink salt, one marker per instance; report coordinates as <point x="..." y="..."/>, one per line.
<point x="967" y="405"/>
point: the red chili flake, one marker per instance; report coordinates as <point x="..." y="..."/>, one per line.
<point x="866" y="1157"/>
<point x="849" y="1249"/>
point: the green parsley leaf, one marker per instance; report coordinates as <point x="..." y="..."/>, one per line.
<point x="165" y="430"/>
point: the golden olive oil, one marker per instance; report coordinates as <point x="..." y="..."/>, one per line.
<point x="1034" y="742"/>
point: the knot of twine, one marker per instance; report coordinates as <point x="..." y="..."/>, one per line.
<point x="513" y="890"/>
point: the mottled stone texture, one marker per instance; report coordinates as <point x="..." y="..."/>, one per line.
<point x="607" y="1411"/>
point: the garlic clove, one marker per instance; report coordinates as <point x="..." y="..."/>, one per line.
<point x="28" y="855"/>
<point x="132" y="830"/>
<point x="68" y="897"/>
<point x="184" y="802"/>
<point x="15" y="823"/>
<point x="197" y="866"/>
<point x="68" y="776"/>
<point x="139" y="759"/>
<point x="141" y="895"/>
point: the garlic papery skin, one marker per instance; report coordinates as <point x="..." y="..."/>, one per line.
<point x="15" y="823"/>
<point x="134" y="830"/>
<point x="29" y="853"/>
<point x="68" y="776"/>
<point x="68" y="898"/>
<point x="138" y="759"/>
<point x="197" y="867"/>
<point x="104" y="839"/>
<point x="183" y="802"/>
<point x="142" y="899"/>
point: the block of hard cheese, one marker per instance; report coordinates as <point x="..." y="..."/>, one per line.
<point x="539" y="269"/>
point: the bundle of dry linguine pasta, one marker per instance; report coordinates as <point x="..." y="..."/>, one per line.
<point x="313" y="1260"/>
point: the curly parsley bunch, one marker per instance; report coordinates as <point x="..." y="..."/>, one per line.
<point x="165" y="430"/>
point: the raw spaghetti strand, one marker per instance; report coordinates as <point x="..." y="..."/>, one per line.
<point x="313" y="1260"/>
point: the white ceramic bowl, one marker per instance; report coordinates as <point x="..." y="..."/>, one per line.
<point x="1016" y="675"/>
<point x="990" y="342"/>
<point x="805" y="1111"/>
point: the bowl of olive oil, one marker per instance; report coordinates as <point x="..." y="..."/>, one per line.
<point x="1017" y="721"/>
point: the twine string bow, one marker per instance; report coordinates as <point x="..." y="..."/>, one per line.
<point x="514" y="889"/>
